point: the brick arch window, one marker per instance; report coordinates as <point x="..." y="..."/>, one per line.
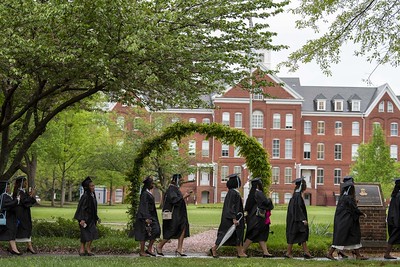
<point x="258" y="119"/>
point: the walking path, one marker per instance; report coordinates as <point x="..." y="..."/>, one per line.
<point x="198" y="245"/>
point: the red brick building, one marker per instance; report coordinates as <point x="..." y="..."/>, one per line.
<point x="310" y="131"/>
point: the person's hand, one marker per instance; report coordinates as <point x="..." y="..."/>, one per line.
<point x="305" y="222"/>
<point x="148" y="221"/>
<point x="82" y="223"/>
<point x="98" y="220"/>
<point x="235" y="222"/>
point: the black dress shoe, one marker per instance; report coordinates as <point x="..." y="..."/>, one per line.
<point x="177" y="253"/>
<point x="31" y="251"/>
<point x="90" y="254"/>
<point x="307" y="256"/>
<point x="158" y="253"/>
<point x="212" y="254"/>
<point x="341" y="254"/>
<point x="268" y="256"/>
<point x="150" y="253"/>
<point x="12" y="252"/>
<point x="389" y="257"/>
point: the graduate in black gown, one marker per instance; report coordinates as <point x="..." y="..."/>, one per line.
<point x="231" y="212"/>
<point x="178" y="226"/>
<point x="258" y="208"/>
<point x="297" y="230"/>
<point x="393" y="220"/>
<point x="8" y="232"/>
<point x="346" y="227"/>
<point x="147" y="226"/>
<point x="23" y="211"/>
<point x="86" y="215"/>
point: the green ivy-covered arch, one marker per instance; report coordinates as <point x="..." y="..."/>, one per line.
<point x="257" y="159"/>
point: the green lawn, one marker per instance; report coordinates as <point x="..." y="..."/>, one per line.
<point x="110" y="261"/>
<point x="202" y="216"/>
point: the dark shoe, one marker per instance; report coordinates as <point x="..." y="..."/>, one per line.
<point x="12" y="252"/>
<point x="31" y="251"/>
<point x="212" y="254"/>
<point x="158" y="253"/>
<point x="150" y="253"/>
<point x="82" y="253"/>
<point x="177" y="253"/>
<point x="330" y="256"/>
<point x="287" y="256"/>
<point x="244" y="256"/>
<point x="341" y="254"/>
<point x="143" y="255"/>
<point x="90" y="254"/>
<point x="389" y="257"/>
<point x="268" y="256"/>
<point x="308" y="256"/>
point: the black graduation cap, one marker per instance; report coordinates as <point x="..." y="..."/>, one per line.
<point x="233" y="176"/>
<point x="86" y="182"/>
<point x="397" y="180"/>
<point x="255" y="180"/>
<point x="348" y="178"/>
<point x="297" y="181"/>
<point x="148" y="180"/>
<point x="176" y="177"/>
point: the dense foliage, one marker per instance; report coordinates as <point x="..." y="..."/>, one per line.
<point x="55" y="53"/>
<point x="373" y="25"/>
<point x="257" y="159"/>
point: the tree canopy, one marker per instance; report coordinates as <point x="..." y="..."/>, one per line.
<point x="371" y="24"/>
<point x="54" y="53"/>
<point x="373" y="162"/>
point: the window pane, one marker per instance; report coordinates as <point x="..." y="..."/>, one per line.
<point x="289" y="121"/>
<point x="275" y="148"/>
<point x="307" y="150"/>
<point x="288" y="175"/>
<point x="238" y="120"/>
<point x="276" y="121"/>
<point x="307" y="127"/>
<point x="355" y="128"/>
<point x="321" y="127"/>
<point x="338" y="152"/>
<point x="225" y="118"/>
<point x="320" y="176"/>
<point x="288" y="148"/>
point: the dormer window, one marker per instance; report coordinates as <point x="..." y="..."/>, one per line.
<point x="355" y="105"/>
<point x="337" y="102"/>
<point x="338" y="105"/>
<point x="321" y="104"/>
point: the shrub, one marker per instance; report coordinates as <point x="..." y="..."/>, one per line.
<point x="67" y="228"/>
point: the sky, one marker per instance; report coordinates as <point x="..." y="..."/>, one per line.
<point x="351" y="71"/>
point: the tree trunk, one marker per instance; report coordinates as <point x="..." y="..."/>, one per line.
<point x="70" y="186"/>
<point x="111" y="192"/>
<point x="53" y="188"/>
<point x="63" y="185"/>
<point x="30" y="168"/>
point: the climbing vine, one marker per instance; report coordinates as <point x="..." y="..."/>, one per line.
<point x="256" y="157"/>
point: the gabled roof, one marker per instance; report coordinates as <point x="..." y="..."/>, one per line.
<point x="311" y="93"/>
<point x="337" y="97"/>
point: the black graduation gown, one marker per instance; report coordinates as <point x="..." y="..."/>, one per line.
<point x="257" y="230"/>
<point x="9" y="231"/>
<point x="87" y="211"/>
<point x="24" y="217"/>
<point x="146" y="210"/>
<point x="296" y="231"/>
<point x="346" y="227"/>
<point x="393" y="220"/>
<point x="233" y="204"/>
<point x="172" y="229"/>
